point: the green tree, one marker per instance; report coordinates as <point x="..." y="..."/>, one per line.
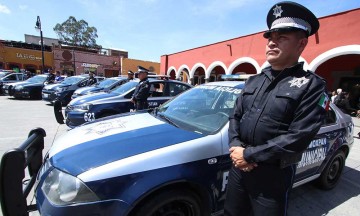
<point x="77" y="33"/>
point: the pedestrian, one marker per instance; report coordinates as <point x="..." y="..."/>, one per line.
<point x="130" y="76"/>
<point x="142" y="90"/>
<point x="92" y="80"/>
<point x="275" y="118"/>
<point x="333" y="96"/>
<point x="344" y="104"/>
<point x="51" y="76"/>
<point x="337" y="97"/>
<point x="58" y="77"/>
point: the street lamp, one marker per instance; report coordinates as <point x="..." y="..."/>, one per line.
<point x="38" y="27"/>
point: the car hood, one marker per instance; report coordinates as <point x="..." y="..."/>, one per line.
<point x="102" y="142"/>
<point x="92" y="98"/>
<point x="27" y="84"/>
<point x="85" y="90"/>
<point x="54" y="86"/>
<point x="18" y="83"/>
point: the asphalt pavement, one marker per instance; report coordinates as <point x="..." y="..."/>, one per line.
<point x="18" y="117"/>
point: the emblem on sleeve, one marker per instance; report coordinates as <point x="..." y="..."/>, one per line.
<point x="277" y="11"/>
<point x="298" y="82"/>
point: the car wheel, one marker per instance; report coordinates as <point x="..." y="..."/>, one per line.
<point x="332" y="172"/>
<point x="171" y="203"/>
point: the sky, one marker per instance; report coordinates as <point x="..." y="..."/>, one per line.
<point x="148" y="29"/>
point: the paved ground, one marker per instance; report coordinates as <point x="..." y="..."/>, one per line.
<point x="18" y="117"/>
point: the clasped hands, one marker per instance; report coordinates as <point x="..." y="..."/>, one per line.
<point x="237" y="157"/>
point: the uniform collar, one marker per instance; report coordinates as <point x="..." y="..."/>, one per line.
<point x="296" y="67"/>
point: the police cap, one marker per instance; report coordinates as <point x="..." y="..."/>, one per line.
<point x="130" y="72"/>
<point x="289" y="16"/>
<point x="142" y="70"/>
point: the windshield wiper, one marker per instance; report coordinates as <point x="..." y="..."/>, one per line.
<point x="167" y="119"/>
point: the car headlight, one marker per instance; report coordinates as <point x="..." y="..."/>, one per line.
<point x="63" y="189"/>
<point x="82" y="107"/>
<point x="19" y="87"/>
<point x="59" y="89"/>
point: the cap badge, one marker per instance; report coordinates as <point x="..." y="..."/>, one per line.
<point x="277" y="11"/>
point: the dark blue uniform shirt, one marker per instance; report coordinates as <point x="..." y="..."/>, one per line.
<point x="142" y="91"/>
<point x="275" y="118"/>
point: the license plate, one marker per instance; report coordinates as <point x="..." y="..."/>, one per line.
<point x="7" y="91"/>
<point x="45" y="96"/>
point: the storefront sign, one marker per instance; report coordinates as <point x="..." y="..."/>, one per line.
<point x="27" y="56"/>
<point x="90" y="65"/>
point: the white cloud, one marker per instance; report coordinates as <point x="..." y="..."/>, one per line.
<point x="23" y="7"/>
<point x="4" y="9"/>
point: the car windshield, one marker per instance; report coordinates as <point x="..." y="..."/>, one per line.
<point x="37" y="79"/>
<point x="105" y="83"/>
<point x="72" y="80"/>
<point x="2" y="74"/>
<point x="203" y="109"/>
<point x="125" y="87"/>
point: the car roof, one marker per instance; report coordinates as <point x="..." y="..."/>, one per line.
<point x="234" y="84"/>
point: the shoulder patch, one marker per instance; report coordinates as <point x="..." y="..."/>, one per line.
<point x="324" y="101"/>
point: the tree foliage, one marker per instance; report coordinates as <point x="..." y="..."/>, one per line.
<point x="77" y="33"/>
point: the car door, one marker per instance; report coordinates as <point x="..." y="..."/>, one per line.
<point x="157" y="95"/>
<point x="319" y="149"/>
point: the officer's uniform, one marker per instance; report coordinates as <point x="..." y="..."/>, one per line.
<point x="91" y="81"/>
<point x="141" y="92"/>
<point x="130" y="78"/>
<point x="275" y="118"/>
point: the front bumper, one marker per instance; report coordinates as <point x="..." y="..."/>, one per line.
<point x="48" y="96"/>
<point x="106" y="207"/>
<point x="75" y="118"/>
<point x="22" y="93"/>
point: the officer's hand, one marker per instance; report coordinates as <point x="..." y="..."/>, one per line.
<point x="237" y="156"/>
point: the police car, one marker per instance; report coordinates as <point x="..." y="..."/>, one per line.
<point x="171" y="161"/>
<point x="30" y="88"/>
<point x="105" y="85"/>
<point x="64" y="90"/>
<point x="91" y="107"/>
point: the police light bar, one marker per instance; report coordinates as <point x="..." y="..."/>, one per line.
<point x="236" y="76"/>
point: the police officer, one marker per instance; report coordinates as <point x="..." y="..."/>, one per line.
<point x="130" y="76"/>
<point x="142" y="90"/>
<point x="92" y="79"/>
<point x="275" y="118"/>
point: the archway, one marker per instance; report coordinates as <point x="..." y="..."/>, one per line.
<point x="248" y="65"/>
<point x="340" y="71"/>
<point x="216" y="74"/>
<point x="199" y="76"/>
<point x="244" y="68"/>
<point x="183" y="74"/>
<point x="215" y="69"/>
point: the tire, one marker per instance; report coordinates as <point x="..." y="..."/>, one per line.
<point x="171" y="203"/>
<point x="330" y="176"/>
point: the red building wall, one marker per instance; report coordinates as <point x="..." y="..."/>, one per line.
<point x="339" y="34"/>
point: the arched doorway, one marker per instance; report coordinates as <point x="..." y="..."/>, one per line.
<point x="199" y="76"/>
<point x="340" y="72"/>
<point x="184" y="76"/>
<point x="244" y="68"/>
<point x="216" y="73"/>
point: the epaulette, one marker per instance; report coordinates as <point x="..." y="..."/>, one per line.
<point x="316" y="75"/>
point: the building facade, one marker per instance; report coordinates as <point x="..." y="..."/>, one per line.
<point x="19" y="56"/>
<point x="333" y="53"/>
<point x="75" y="61"/>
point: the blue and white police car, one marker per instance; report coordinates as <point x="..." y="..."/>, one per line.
<point x="107" y="84"/>
<point x="171" y="161"/>
<point x="88" y="108"/>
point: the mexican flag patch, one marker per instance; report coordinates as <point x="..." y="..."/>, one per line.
<point x="324" y="101"/>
